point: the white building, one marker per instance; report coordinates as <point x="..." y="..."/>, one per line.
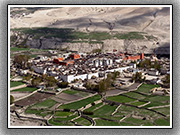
<point x="152" y="71"/>
<point x="70" y="78"/>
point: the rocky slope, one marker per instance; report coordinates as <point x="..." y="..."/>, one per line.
<point x="154" y="21"/>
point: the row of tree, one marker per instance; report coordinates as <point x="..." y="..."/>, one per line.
<point x="148" y="64"/>
<point x="104" y="84"/>
<point x="48" y="81"/>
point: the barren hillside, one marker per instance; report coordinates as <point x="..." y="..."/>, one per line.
<point x="155" y="21"/>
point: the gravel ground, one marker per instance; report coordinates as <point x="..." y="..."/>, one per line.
<point x="14" y="121"/>
<point x="18" y="95"/>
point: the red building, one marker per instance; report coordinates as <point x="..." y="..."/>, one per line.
<point x="74" y="56"/>
<point x="66" y="63"/>
<point x="58" y="60"/>
<point x="136" y="57"/>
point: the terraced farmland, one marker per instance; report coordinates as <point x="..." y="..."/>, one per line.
<point x="135" y="108"/>
<point x="81" y="103"/>
<point x="26" y="89"/>
<point x="15" y="83"/>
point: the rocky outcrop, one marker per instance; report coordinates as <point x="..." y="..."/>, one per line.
<point x="132" y="46"/>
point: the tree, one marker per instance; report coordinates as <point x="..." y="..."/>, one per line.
<point x="63" y="84"/>
<point x="156" y="65"/>
<point x="36" y="81"/>
<point x="27" y="77"/>
<point x="138" y="77"/>
<point x="102" y="86"/>
<point x="91" y="86"/>
<point x="75" y="80"/>
<point x="11" y="99"/>
<point x="50" y="81"/>
<point x="93" y="77"/>
<point x="20" y="61"/>
<point x="166" y="81"/>
<point x="148" y="64"/>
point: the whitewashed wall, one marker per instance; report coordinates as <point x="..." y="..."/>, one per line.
<point x="70" y="78"/>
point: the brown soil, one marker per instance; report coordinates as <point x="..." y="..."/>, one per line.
<point x="37" y="97"/>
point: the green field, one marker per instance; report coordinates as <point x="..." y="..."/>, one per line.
<point x="81" y="103"/>
<point x="70" y="35"/>
<point x="60" y="113"/>
<point x="134" y="95"/>
<point x="100" y="122"/>
<point x="157" y="100"/>
<point x="77" y="93"/>
<point x="15" y="49"/>
<point x="135" y="121"/>
<point x="130" y="35"/>
<point x="120" y="98"/>
<point x="41" y="112"/>
<point x="137" y="103"/>
<point x="162" y="122"/>
<point x="164" y="110"/>
<point x="83" y="121"/>
<point x="14" y="84"/>
<point x="145" y="88"/>
<point x="92" y="108"/>
<point x="62" y="118"/>
<point x="26" y="89"/>
<point x="48" y="103"/>
<point x="102" y="112"/>
<point x="106" y="110"/>
<point x="55" y="122"/>
<point x="68" y="118"/>
<point x="41" y="108"/>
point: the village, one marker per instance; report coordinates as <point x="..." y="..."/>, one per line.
<point x="105" y="74"/>
<point x="71" y="67"/>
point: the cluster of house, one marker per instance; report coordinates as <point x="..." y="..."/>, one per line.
<point x="71" y="66"/>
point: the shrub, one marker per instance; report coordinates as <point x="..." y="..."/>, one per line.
<point x="93" y="104"/>
<point x="166" y="81"/>
<point x="75" y="80"/>
<point x="66" y="110"/>
<point x="63" y="84"/>
<point x="88" y="113"/>
<point x="11" y="99"/>
<point x="93" y="77"/>
<point x="36" y="81"/>
<point x="96" y="51"/>
<point x="138" y="77"/>
<point x="112" y="104"/>
<point x="27" y="77"/>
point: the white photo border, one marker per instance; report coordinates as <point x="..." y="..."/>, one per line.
<point x="96" y="5"/>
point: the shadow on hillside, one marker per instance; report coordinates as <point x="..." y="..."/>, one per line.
<point x="81" y="23"/>
<point x="163" y="50"/>
<point x="143" y="17"/>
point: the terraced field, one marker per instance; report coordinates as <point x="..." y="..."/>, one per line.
<point x="81" y="103"/>
<point x="77" y="93"/>
<point x="153" y="112"/>
<point x="82" y="121"/>
<point x="135" y="108"/>
<point x="41" y="108"/>
<point x="14" y="84"/>
<point x="26" y="89"/>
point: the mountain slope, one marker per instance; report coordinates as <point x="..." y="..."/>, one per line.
<point x="152" y="20"/>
